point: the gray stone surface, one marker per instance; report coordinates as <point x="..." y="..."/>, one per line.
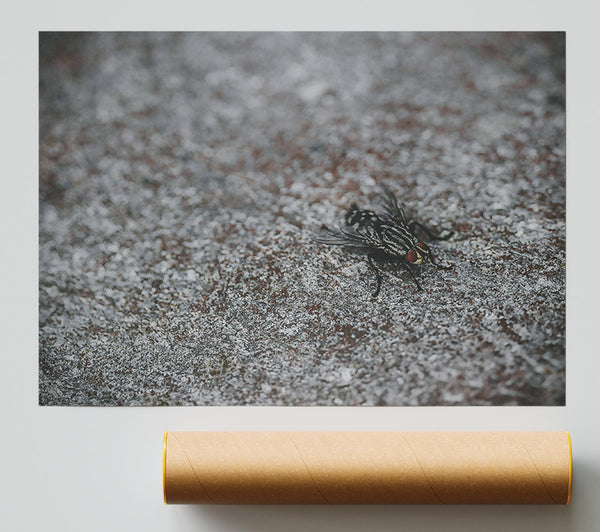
<point x="182" y="177"/>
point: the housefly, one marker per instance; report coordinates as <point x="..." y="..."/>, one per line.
<point x="385" y="234"/>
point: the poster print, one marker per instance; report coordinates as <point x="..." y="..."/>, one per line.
<point x="302" y="219"/>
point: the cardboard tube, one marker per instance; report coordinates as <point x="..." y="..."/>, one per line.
<point x="367" y="467"/>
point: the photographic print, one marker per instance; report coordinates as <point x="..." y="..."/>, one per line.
<point x="302" y="218"/>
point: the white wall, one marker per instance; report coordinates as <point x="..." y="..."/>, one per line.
<point x="88" y="469"/>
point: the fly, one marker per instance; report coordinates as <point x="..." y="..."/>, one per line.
<point x="384" y="235"/>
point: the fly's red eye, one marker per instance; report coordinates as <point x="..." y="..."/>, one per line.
<point x="411" y="256"/>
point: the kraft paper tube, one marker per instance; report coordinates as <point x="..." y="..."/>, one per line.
<point x="367" y="467"/>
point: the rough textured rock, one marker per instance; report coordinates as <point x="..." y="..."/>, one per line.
<point x="182" y="177"/>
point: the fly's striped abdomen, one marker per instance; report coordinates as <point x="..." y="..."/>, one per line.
<point x="356" y="218"/>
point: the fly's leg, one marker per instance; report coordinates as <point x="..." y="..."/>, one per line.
<point x="412" y="275"/>
<point x="377" y="274"/>
<point x="437" y="264"/>
<point x="428" y="232"/>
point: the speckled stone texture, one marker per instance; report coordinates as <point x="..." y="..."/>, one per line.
<point x="182" y="177"/>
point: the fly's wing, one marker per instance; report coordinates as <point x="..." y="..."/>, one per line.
<point x="365" y="241"/>
<point x="390" y="206"/>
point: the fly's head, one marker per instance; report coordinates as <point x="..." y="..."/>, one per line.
<point x="418" y="254"/>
